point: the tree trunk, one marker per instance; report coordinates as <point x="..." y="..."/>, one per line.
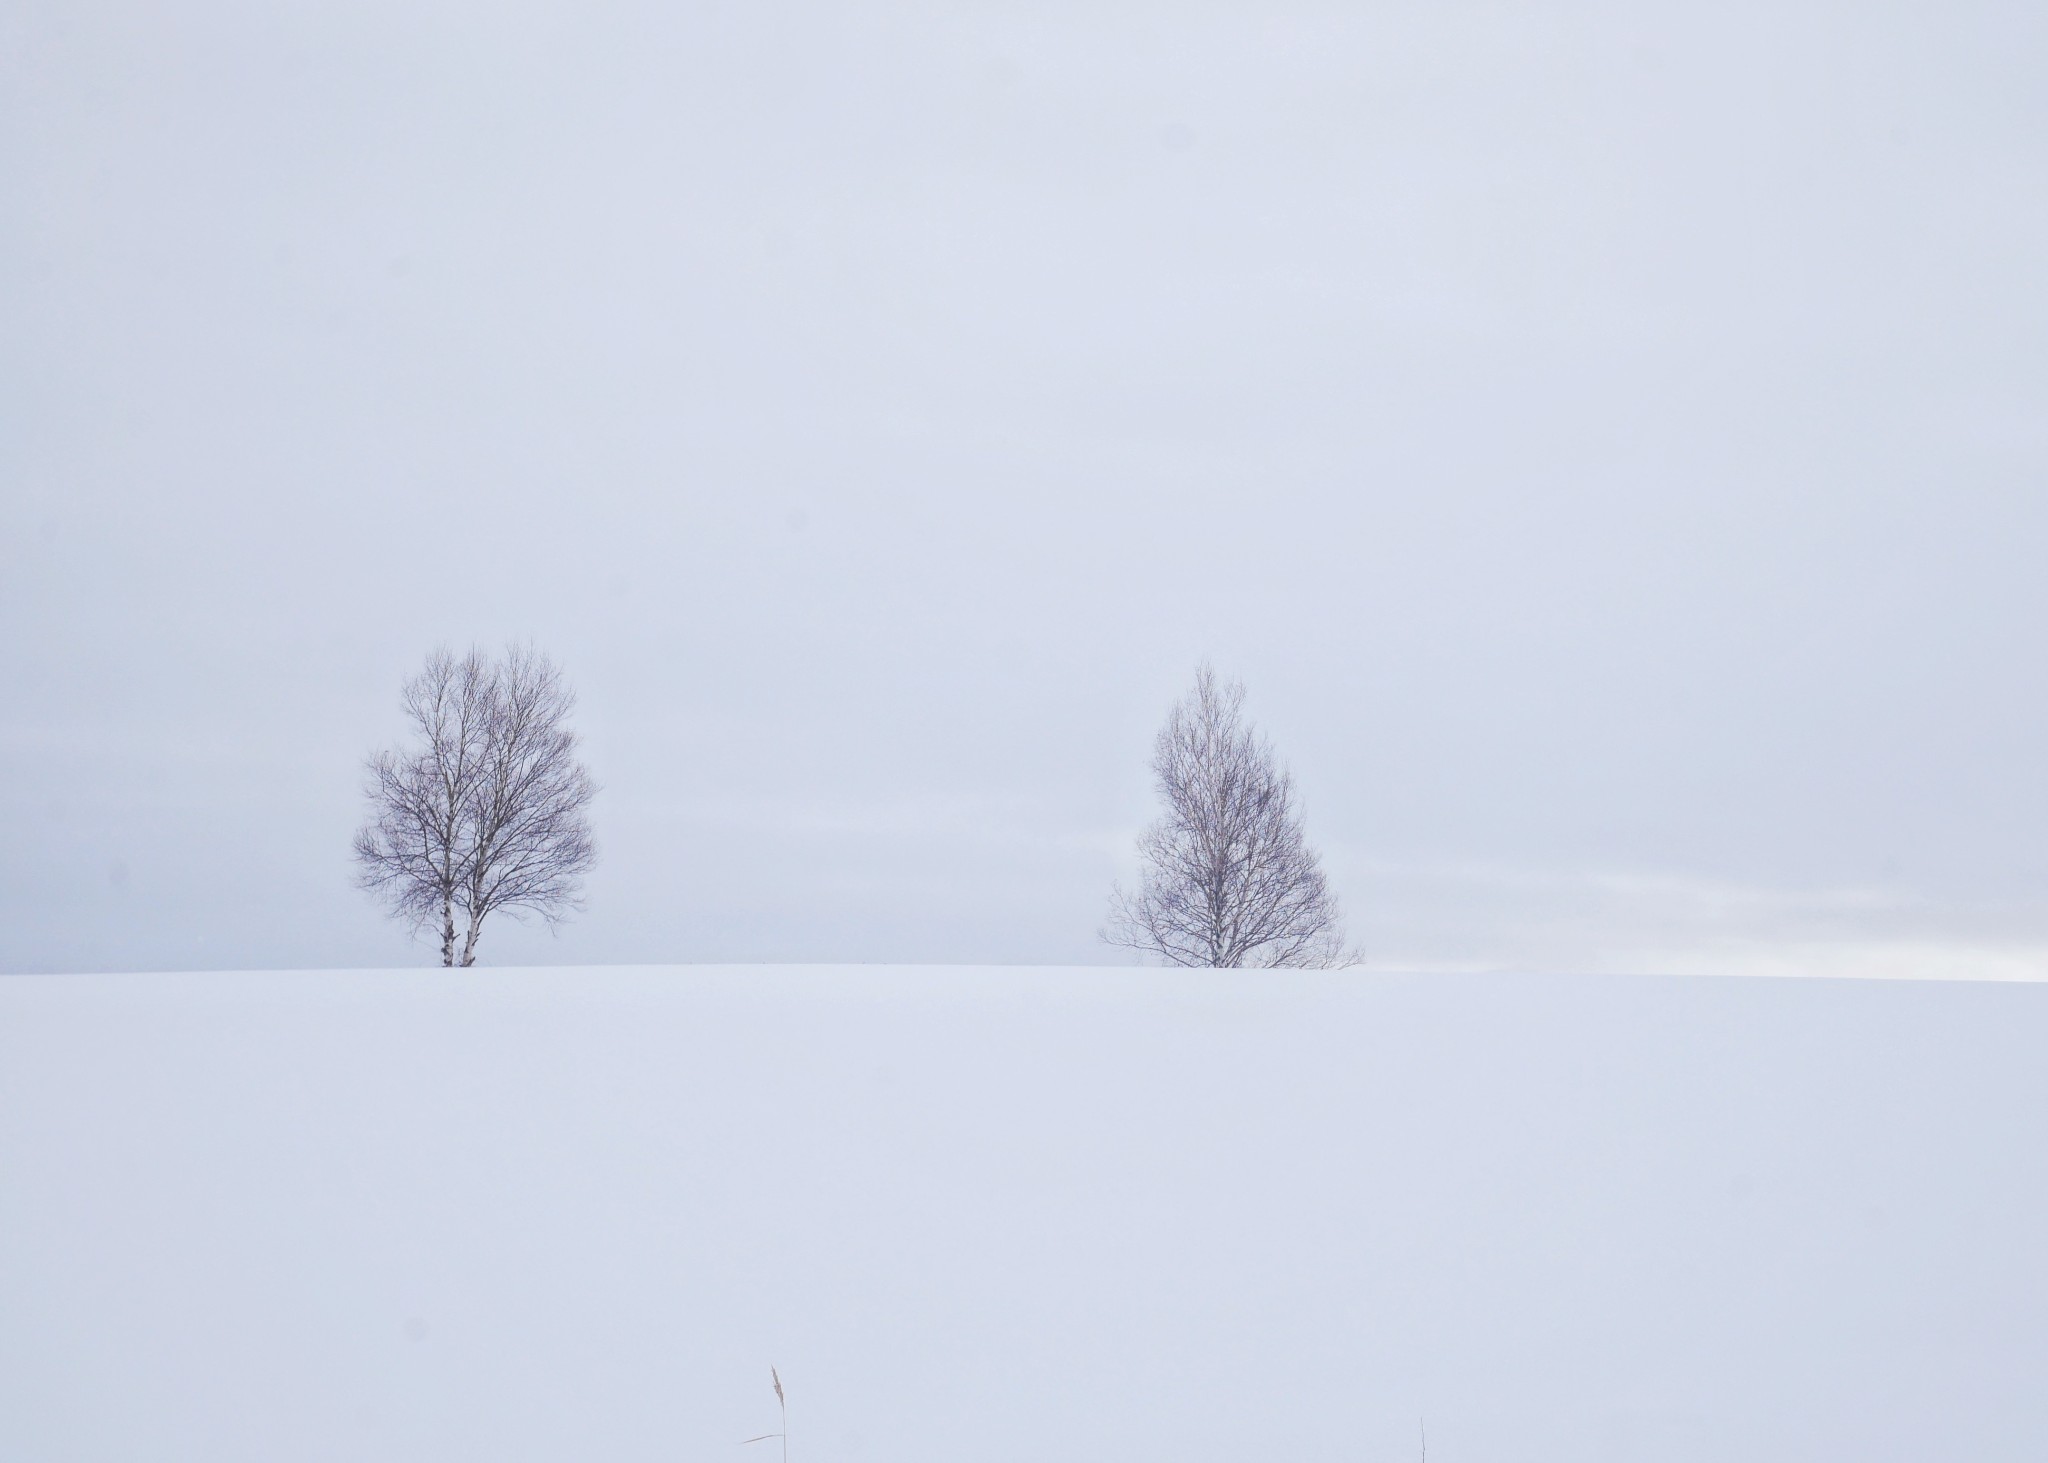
<point x="448" y="933"/>
<point x="476" y="928"/>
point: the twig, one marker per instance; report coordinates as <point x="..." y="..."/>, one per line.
<point x="782" y="1403"/>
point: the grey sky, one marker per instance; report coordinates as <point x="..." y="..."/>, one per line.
<point x="1607" y="441"/>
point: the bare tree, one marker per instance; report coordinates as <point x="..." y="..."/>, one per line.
<point x="487" y="810"/>
<point x="1229" y="879"/>
<point x="415" y="850"/>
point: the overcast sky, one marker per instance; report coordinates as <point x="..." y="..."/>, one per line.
<point x="1608" y="442"/>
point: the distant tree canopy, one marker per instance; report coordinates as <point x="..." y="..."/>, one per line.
<point x="1228" y="880"/>
<point x="486" y="809"/>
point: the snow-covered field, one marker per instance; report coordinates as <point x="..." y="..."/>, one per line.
<point x="1023" y="1215"/>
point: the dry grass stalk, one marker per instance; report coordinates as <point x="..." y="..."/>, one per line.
<point x="782" y="1403"/>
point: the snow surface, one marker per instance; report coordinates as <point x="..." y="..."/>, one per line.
<point x="1008" y="1214"/>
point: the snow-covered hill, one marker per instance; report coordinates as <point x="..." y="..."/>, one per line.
<point x="1024" y="1215"/>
